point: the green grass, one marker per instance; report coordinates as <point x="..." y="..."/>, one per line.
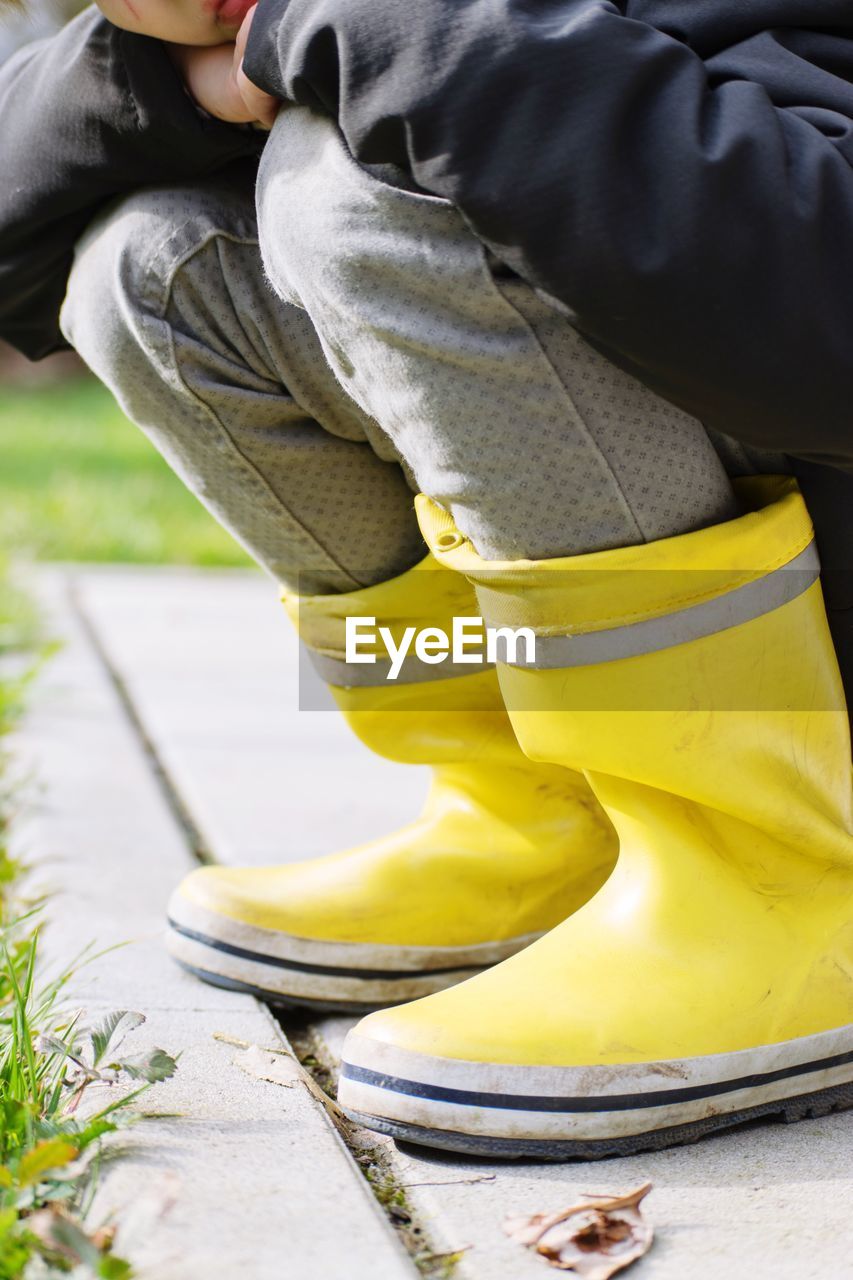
<point x="64" y="1084"/>
<point x="50" y="1142"/>
<point x="80" y="482"/>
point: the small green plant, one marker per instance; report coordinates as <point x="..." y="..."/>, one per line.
<point x="51" y="1065"/>
<point x="64" y="1085"/>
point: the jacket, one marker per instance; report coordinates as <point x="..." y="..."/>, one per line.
<point x="676" y="174"/>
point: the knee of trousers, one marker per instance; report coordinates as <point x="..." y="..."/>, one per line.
<point x="296" y="225"/>
<point x="332" y="231"/>
<point x="125" y="265"/>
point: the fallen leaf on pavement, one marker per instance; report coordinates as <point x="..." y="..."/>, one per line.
<point x="600" y="1235"/>
<point x="279" y="1067"/>
<point x="276" y="1068"/>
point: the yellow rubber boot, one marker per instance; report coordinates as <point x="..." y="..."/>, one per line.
<point x="711" y="979"/>
<point x="503" y="850"/>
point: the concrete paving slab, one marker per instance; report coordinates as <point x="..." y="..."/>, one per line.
<point x="233" y="1175"/>
<point x="768" y="1202"/>
<point x="210" y="662"/>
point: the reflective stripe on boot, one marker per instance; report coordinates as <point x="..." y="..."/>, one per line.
<point x="711" y="979"/>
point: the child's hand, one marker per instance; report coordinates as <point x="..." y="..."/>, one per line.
<point x="215" y="77"/>
<point x="264" y="106"/>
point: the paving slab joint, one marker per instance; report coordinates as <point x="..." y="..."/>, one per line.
<point x="374" y="1160"/>
<point x="174" y="799"/>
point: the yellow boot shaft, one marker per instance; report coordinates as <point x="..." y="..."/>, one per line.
<point x="503" y="850"/>
<point x="724" y="765"/>
<point x="712" y="976"/>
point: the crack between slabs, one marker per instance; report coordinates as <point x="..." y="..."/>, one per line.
<point x="197" y="844"/>
<point x="373" y="1156"/>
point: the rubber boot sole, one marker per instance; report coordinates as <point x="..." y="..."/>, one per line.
<point x="809" y="1107"/>
<point x="286" y="970"/>
<point x="514" y="1112"/>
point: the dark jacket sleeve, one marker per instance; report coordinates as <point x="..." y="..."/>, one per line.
<point x="677" y="173"/>
<point x="84" y="116"/>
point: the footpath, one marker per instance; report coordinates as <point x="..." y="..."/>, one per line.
<point x="166" y="730"/>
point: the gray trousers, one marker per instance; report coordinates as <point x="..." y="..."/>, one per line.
<point x="305" y="366"/>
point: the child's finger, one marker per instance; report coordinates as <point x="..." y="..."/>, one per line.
<point x="262" y="105"/>
<point x="243" y="35"/>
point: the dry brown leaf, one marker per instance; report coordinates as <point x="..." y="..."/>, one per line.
<point x="600" y="1235"/>
<point x="278" y="1067"/>
<point x="104" y="1237"/>
<point x="66" y="1238"/>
